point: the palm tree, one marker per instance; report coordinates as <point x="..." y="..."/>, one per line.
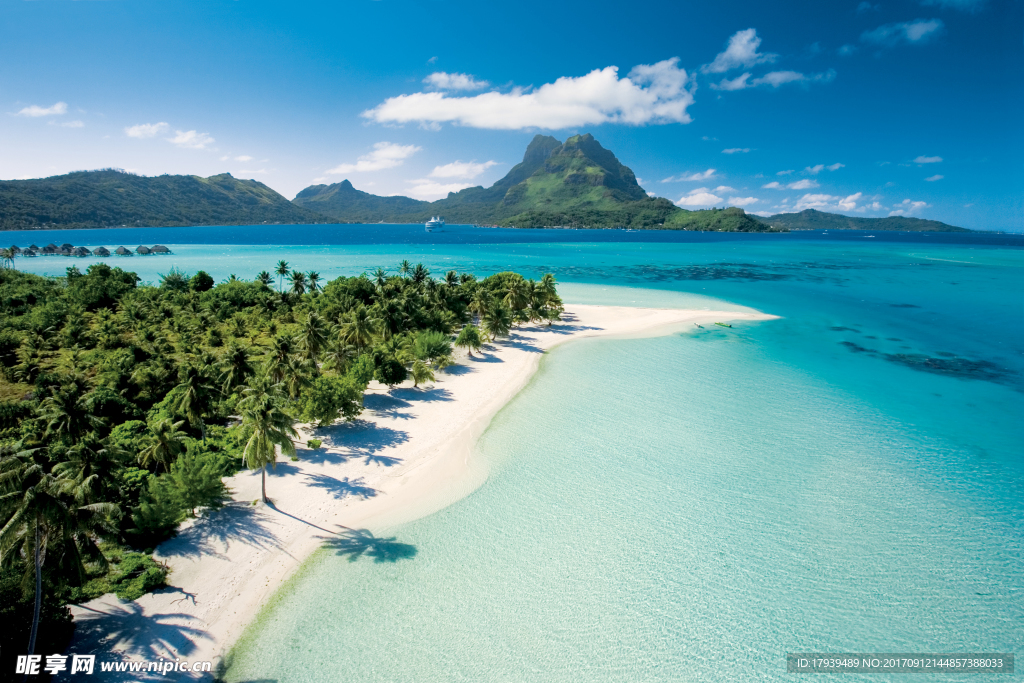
<point x="390" y="317"/>
<point x="165" y="443"/>
<point x="421" y="372"/>
<point x="314" y="281"/>
<point x="380" y="277"/>
<point x="265" y="277"/>
<point x="420" y="274"/>
<point x="357" y="327"/>
<point x="67" y="412"/>
<point x="195" y="399"/>
<point x="469" y="339"/>
<point x="451" y="278"/>
<point x="282" y="272"/>
<point x="517" y="294"/>
<point x="405" y="268"/>
<point x="7" y="256"/>
<point x="497" y="320"/>
<point x="481" y="301"/>
<point x="276" y="363"/>
<point x="266" y="427"/>
<point x="298" y="282"/>
<point x="39" y="517"/>
<point x="312" y="335"/>
<point x="235" y="366"/>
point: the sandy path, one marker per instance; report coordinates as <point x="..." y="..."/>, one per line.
<point x="408" y="455"/>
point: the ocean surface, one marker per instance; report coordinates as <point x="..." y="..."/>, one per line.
<point x="692" y="507"/>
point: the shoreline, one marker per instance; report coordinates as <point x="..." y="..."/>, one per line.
<point x="408" y="456"/>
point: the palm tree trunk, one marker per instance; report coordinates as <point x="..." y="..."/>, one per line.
<point x="264" y="483"/>
<point x="39" y="595"/>
<point x="202" y="428"/>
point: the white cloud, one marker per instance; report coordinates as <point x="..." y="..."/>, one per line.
<point x="738" y="83"/>
<point x="917" y="32"/>
<point x="656" y="93"/>
<point x="466" y="170"/>
<point x="763" y="214"/>
<point x="815" y="170"/>
<point x="72" y="124"/>
<point x="786" y="172"/>
<point x="817" y="201"/>
<point x="835" y="167"/>
<point x="146" y="130"/>
<point x="35" y="111"/>
<point x="736" y="150"/>
<point x="244" y="157"/>
<point x="927" y="160"/>
<point x="702" y="196"/>
<point x="846" y="50"/>
<point x="430" y="190"/>
<point x="190" y="139"/>
<point x="933" y="178"/>
<point x="722" y="189"/>
<point x="446" y="81"/>
<point x="908" y="208"/>
<point x="850" y="202"/>
<point x="772" y="186"/>
<point x="740" y="52"/>
<point x="691" y="177"/>
<point x="804" y="184"/>
<point x="743" y="201"/>
<point x="384" y="155"/>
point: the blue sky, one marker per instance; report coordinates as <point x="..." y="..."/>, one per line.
<point x="906" y="107"/>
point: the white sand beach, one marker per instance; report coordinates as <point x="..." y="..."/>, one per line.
<point x="408" y="455"/>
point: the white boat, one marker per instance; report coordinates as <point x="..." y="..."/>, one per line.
<point x="434" y="223"/>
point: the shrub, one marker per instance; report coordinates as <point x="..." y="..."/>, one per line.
<point x="314" y="443"/>
<point x="136" y="575"/>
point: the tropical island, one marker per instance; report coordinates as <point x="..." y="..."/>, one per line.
<point x="130" y="414"/>
<point x="576" y="184"/>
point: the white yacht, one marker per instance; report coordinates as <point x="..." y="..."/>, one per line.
<point x="434" y="223"/>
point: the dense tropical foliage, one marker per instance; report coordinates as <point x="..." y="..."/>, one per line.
<point x="123" y="407"/>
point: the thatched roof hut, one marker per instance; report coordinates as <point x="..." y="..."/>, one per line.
<point x="101" y="251"/>
<point x="67" y="245"/>
<point x="15" y="249"/>
<point x="142" y="249"/>
<point x="160" y="249"/>
<point x="51" y="248"/>
<point x="30" y="252"/>
<point x="121" y="251"/>
<point x="64" y="251"/>
<point x="32" y="246"/>
<point x="80" y="251"/>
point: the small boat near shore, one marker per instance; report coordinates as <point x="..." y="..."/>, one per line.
<point x="723" y="325"/>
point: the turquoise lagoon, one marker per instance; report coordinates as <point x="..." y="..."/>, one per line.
<point x="688" y="507"/>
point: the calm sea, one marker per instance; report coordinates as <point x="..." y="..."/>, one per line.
<point x="691" y="507"/>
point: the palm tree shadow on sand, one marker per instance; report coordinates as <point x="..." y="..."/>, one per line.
<point x="356" y="543"/>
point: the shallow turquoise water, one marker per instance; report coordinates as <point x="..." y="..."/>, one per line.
<point x="692" y="507"/>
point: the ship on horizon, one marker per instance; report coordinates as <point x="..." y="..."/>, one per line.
<point x="434" y="223"/>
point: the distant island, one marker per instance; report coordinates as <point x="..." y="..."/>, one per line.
<point x="575" y="184"/>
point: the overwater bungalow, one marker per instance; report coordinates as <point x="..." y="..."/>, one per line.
<point x="32" y="246"/>
<point x="142" y="249"/>
<point x="68" y="246"/>
<point x="121" y="251"/>
<point x="31" y="251"/>
<point x="50" y="249"/>
<point x="64" y="251"/>
<point x="80" y="251"/>
<point x="101" y="251"/>
<point x="15" y="249"/>
<point x="160" y="249"/>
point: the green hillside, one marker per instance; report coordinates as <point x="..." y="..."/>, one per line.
<point x="811" y="219"/>
<point x="112" y="198"/>
<point x="577" y="183"/>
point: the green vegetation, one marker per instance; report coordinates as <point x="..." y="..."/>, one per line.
<point x="812" y="219"/>
<point x="575" y="184"/>
<point x="111" y="198"/>
<point x="117" y="423"/>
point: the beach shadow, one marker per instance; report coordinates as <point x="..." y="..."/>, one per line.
<point x="484" y="357"/>
<point x="423" y="394"/>
<point x="150" y="636"/>
<point x="356" y="543"/>
<point x="459" y="369"/>
<point x="235" y="522"/>
<point x="359" y="439"/>
<point x="341" y="488"/>
<point x="515" y="342"/>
